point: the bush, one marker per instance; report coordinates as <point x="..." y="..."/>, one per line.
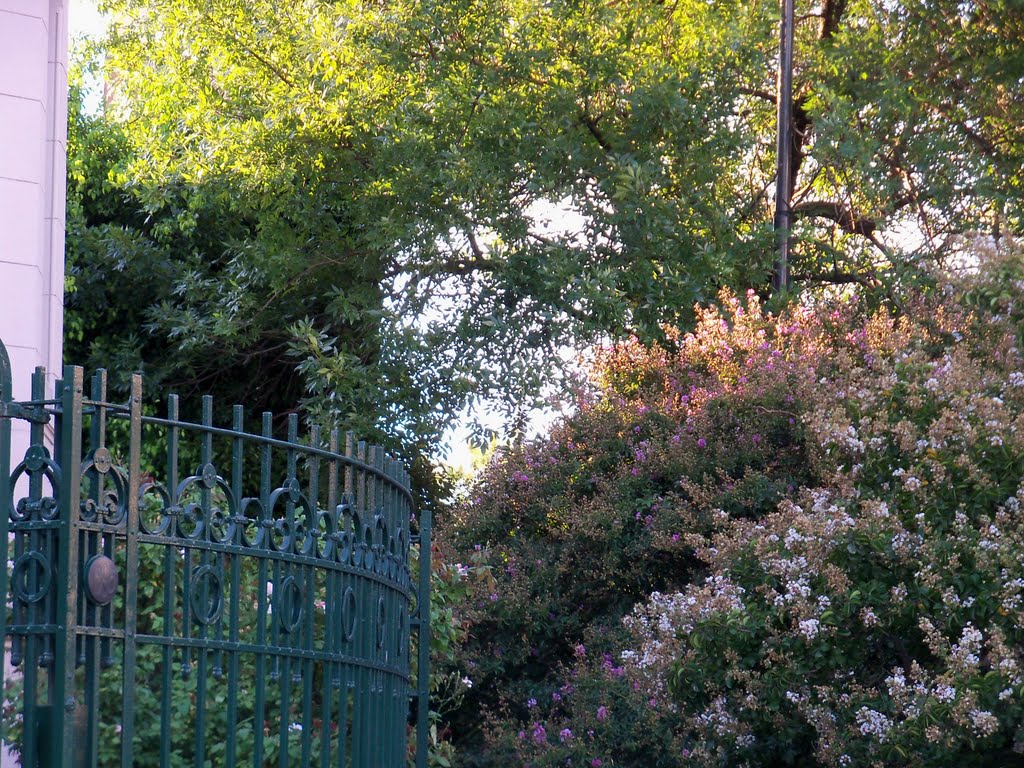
<point x="811" y="524"/>
<point x="582" y="525"/>
<point x="877" y="618"/>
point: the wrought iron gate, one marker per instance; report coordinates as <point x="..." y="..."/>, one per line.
<point x="185" y="594"/>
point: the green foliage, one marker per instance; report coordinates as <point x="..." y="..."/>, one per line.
<point x="365" y="185"/>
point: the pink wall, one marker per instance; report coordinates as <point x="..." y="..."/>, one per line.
<point x="33" y="137"/>
<point x="33" y="132"/>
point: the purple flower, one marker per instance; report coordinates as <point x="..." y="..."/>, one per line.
<point x="596" y="763"/>
<point x="564" y="735"/>
<point x="756" y="439"/>
<point x="531" y="703"/>
<point x="702" y="443"/>
<point x="556" y="696"/>
<point x="602" y="713"/>
<point x="539" y="734"/>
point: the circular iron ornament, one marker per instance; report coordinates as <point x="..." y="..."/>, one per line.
<point x="365" y="548"/>
<point x="289" y="604"/>
<point x="101" y="579"/>
<point x="207" y="595"/>
<point x="324" y="535"/>
<point x="382" y="621"/>
<point x="348" y="614"/>
<point x="36" y="457"/>
<point x="102" y="461"/>
<point x="209" y="476"/>
<point x="20" y="577"/>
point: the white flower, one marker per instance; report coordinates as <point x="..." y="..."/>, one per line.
<point x="985" y="723"/>
<point x="809" y="628"/>
<point x="945" y="693"/>
<point x="872" y="723"/>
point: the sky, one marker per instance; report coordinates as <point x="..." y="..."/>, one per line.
<point x="84" y="18"/>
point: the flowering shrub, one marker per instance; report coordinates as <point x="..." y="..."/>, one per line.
<point x="811" y="524"/>
<point x="582" y="525"/>
<point x="875" y="619"/>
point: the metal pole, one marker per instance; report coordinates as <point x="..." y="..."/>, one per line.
<point x="783" y="181"/>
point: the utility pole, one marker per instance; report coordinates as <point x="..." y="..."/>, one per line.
<point x="783" y="150"/>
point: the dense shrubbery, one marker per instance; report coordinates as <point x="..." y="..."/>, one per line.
<point x="810" y="525"/>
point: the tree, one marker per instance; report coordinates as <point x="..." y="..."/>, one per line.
<point x="389" y="165"/>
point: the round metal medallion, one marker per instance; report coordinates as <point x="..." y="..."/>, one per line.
<point x="101" y="579"/>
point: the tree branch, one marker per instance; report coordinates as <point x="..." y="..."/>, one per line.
<point x="836" y="277"/>
<point x="847" y="220"/>
<point x="766" y="95"/>
<point x="591" y="125"/>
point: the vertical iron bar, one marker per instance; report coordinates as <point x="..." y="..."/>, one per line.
<point x="347" y="582"/>
<point x="203" y="630"/>
<point x="35" y="742"/>
<point x="266" y="466"/>
<point x="132" y="566"/>
<point x="63" y="699"/>
<point x="309" y="593"/>
<point x="783" y="150"/>
<point x="170" y="565"/>
<point x="362" y="675"/>
<point x="379" y="601"/>
<point x="423" y="642"/>
<point x="237" y="471"/>
<point x="283" y="570"/>
<point x="91" y="651"/>
<point x="331" y="606"/>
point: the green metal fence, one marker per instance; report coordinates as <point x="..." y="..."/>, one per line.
<point x="185" y="594"/>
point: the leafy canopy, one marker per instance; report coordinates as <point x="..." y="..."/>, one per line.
<point x="368" y="184"/>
